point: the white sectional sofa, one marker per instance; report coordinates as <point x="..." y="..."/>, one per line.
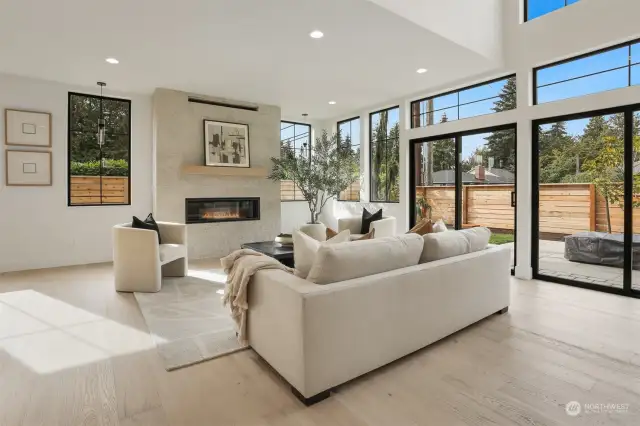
<point x="320" y="336"/>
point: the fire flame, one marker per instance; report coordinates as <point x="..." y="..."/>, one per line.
<point x="226" y="214"/>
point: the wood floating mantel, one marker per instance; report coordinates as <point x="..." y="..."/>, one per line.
<point x="225" y="171"/>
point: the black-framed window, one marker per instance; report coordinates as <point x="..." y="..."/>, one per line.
<point x="98" y="174"/>
<point x="349" y="137"/>
<point x="384" y="143"/>
<point x="584" y="186"/>
<point x="466" y="179"/>
<point x="536" y="8"/>
<point x="607" y="69"/>
<point x="485" y="98"/>
<point x="296" y="138"/>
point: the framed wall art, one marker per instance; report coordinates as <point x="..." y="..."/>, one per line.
<point x="27" y="128"/>
<point x="27" y="168"/>
<point x="226" y="144"/>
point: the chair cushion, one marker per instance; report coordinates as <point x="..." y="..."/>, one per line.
<point x="171" y="252"/>
<point x="149" y="223"/>
<point x="305" y="249"/>
<point x="367" y="218"/>
<point x="345" y="261"/>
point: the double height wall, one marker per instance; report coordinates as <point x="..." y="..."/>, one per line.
<point x="543" y="150"/>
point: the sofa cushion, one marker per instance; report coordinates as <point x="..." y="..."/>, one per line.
<point x="305" y="249"/>
<point x="441" y="245"/>
<point x="171" y="252"/>
<point x="367" y="218"/>
<point x="345" y="261"/>
<point x="478" y="238"/>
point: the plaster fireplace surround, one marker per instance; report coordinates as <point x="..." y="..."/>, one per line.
<point x="178" y="142"/>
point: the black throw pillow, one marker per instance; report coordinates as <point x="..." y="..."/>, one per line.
<point x="149" y="223"/>
<point x="367" y="218"/>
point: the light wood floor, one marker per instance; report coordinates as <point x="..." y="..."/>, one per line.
<point x="75" y="352"/>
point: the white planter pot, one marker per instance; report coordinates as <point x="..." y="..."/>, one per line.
<point x="317" y="231"/>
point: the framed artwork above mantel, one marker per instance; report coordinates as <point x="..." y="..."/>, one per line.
<point x="226" y="144"/>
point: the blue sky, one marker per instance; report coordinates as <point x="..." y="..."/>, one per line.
<point x="538" y="8"/>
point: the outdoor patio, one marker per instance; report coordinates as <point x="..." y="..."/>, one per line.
<point x="553" y="263"/>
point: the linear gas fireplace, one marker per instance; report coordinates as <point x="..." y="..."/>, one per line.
<point x="204" y="210"/>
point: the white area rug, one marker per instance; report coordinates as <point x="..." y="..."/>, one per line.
<point x="187" y="319"/>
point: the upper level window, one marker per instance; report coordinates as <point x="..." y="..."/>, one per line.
<point x="99" y="174"/>
<point x="349" y="138"/>
<point x="296" y="138"/>
<point x="384" y="142"/>
<point x="485" y="98"/>
<point x="607" y="69"/>
<point x="536" y="8"/>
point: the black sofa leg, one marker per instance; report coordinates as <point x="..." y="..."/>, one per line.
<point x="502" y="311"/>
<point x="311" y="400"/>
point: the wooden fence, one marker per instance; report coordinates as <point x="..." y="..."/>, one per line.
<point x="86" y="190"/>
<point x="564" y="208"/>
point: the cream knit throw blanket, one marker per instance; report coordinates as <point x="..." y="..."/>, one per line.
<point x="240" y="267"/>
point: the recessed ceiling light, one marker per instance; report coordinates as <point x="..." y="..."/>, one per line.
<point x="332" y="102"/>
<point x="112" y="60"/>
<point x="316" y="34"/>
<point x="421" y="70"/>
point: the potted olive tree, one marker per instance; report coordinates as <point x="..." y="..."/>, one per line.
<point x="331" y="168"/>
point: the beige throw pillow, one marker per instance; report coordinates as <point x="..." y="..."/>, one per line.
<point x="305" y="249"/>
<point x="425" y="226"/>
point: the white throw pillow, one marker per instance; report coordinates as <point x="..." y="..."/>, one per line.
<point x="305" y="249"/>
<point x="440" y="226"/>
<point x="345" y="261"/>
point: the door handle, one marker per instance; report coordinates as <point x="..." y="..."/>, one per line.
<point x="513" y="198"/>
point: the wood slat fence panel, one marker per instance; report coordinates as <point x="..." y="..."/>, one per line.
<point x="86" y="190"/>
<point x="564" y="208"/>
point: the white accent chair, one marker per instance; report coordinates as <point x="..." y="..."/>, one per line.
<point x="385" y="227"/>
<point x="139" y="262"/>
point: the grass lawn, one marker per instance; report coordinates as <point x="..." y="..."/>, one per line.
<point x="501" y="238"/>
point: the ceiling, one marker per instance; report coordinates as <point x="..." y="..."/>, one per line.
<point x="249" y="50"/>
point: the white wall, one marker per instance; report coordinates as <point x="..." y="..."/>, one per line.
<point x="37" y="228"/>
<point x="585" y="26"/>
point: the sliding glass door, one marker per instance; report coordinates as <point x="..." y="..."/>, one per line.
<point x="587" y="197"/>
<point x="477" y="190"/>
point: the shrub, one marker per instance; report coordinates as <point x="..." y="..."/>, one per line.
<point x="92" y="168"/>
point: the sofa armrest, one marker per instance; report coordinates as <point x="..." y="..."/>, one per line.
<point x="275" y="322"/>
<point x="385" y="227"/>
<point x="173" y="233"/>
<point x="353" y="224"/>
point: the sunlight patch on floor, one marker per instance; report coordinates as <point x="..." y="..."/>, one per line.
<point x="217" y="276"/>
<point x="48" y="335"/>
